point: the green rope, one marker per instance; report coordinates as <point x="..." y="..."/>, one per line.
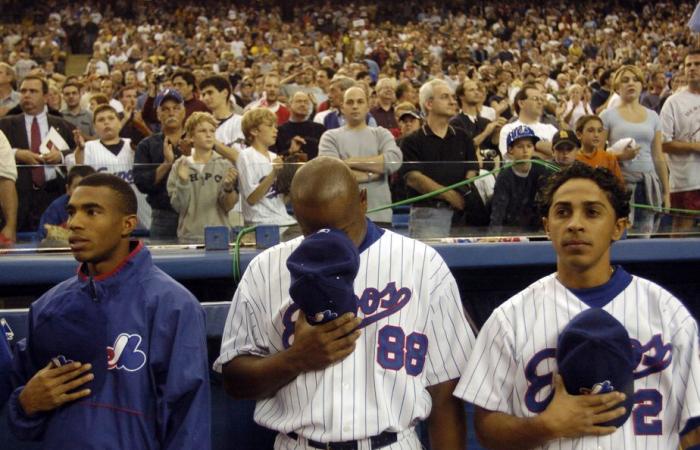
<point x="237" y="251"/>
<point x="465" y="182"/>
<point x="237" y="248"/>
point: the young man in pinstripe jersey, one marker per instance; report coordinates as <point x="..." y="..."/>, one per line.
<point x="511" y="376"/>
<point x="356" y="382"/>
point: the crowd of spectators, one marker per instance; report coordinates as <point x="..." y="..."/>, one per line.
<point x="352" y="81"/>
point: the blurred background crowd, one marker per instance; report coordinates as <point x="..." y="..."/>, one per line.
<point x="543" y="64"/>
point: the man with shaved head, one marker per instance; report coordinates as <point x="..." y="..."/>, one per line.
<point x="364" y="378"/>
<point x="300" y="127"/>
<point x="370" y="152"/>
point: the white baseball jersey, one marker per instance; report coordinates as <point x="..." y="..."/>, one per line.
<point x="121" y="165"/>
<point x="230" y="133"/>
<point x="253" y="167"/>
<point x="414" y="335"/>
<point x="510" y="369"/>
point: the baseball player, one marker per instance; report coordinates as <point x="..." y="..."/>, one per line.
<point x="111" y="154"/>
<point x="512" y="376"/>
<point x="359" y="381"/>
<point x="115" y="357"/>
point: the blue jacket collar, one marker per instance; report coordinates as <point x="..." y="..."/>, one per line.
<point x="138" y="258"/>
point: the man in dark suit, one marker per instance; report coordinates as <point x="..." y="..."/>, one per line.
<point x="40" y="179"/>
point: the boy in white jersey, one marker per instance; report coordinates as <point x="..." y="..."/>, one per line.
<point x="261" y="201"/>
<point x="359" y="381"/>
<point x="511" y="376"/>
<point x="112" y="154"/>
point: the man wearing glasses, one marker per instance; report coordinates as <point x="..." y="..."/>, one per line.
<point x="529" y="106"/>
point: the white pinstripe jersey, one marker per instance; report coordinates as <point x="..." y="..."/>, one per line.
<point x="511" y="366"/>
<point x="230" y="133"/>
<point x="121" y="165"/>
<point x="414" y="335"/>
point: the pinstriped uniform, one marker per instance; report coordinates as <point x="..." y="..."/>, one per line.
<point x="406" y="295"/>
<point x="510" y="368"/>
<point x="230" y="133"/>
<point x="121" y="165"/>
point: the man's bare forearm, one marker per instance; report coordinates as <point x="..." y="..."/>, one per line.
<point x="366" y="163"/>
<point x="447" y="424"/>
<point x="227" y="152"/>
<point x="423" y="184"/>
<point x="8" y="203"/>
<point x="678" y="147"/>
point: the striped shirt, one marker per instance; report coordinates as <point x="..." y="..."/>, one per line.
<point x="414" y="335"/>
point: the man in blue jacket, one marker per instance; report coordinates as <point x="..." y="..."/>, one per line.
<point x="5" y="366"/>
<point x="116" y="356"/>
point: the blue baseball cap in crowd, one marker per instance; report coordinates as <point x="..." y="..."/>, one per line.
<point x="595" y="356"/>
<point x="168" y="94"/>
<point x="72" y="329"/>
<point x="521" y="132"/>
<point x="323" y="270"/>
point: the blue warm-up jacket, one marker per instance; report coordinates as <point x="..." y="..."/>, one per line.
<point x="155" y="391"/>
<point x="5" y="369"/>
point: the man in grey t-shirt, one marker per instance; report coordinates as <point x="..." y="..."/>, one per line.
<point x="680" y="124"/>
<point x="370" y="152"/>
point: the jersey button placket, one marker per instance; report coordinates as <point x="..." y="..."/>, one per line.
<point x="348" y="400"/>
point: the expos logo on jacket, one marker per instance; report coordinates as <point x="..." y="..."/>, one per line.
<point x="126" y="353"/>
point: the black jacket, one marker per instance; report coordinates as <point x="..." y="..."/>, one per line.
<point x="149" y="154"/>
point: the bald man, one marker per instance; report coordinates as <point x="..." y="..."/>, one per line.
<point x="363" y="379"/>
<point x="371" y="152"/>
<point x="300" y="126"/>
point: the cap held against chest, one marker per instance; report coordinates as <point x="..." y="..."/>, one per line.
<point x="595" y="356"/>
<point x="323" y="270"/>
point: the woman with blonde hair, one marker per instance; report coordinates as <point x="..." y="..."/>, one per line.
<point x="644" y="170"/>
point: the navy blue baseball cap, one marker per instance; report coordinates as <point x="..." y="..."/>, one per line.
<point x="72" y="328"/>
<point x="168" y="94"/>
<point x="521" y="132"/>
<point x="595" y="356"/>
<point x="323" y="270"/>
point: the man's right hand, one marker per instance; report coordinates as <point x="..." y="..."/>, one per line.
<point x="571" y="416"/>
<point x="79" y="139"/>
<point x="152" y="85"/>
<point x="29" y="158"/>
<point x="317" y="347"/>
<point x="50" y="387"/>
<point x="455" y="199"/>
<point x="168" y="153"/>
<point x="497" y="124"/>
